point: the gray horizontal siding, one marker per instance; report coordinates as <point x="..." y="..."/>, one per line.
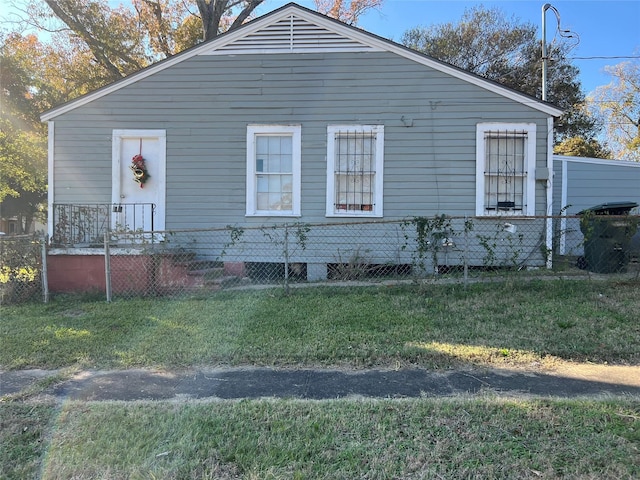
<point x="206" y="102"/>
<point x="557" y="187"/>
<point x="391" y="243"/>
<point x="589" y="184"/>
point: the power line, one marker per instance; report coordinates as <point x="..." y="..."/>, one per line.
<point x="604" y="57"/>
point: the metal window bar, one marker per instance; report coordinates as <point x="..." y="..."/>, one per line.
<point x="505" y="171"/>
<point x="354" y="171"/>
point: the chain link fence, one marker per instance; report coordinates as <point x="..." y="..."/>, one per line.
<point x="21" y="268"/>
<point x="437" y="248"/>
<point x="132" y="264"/>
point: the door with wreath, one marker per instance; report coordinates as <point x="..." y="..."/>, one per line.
<point x="138" y="190"/>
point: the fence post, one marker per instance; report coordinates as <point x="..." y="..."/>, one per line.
<point x="45" y="275"/>
<point x="466" y="251"/>
<point x="286" y="259"/>
<point x="549" y="242"/>
<point x="107" y="265"/>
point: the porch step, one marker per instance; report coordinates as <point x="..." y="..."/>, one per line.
<point x="195" y="264"/>
<point x="205" y="275"/>
<point x="207" y="271"/>
<point x="227" y="281"/>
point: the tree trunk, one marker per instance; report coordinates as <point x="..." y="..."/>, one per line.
<point x="212" y="11"/>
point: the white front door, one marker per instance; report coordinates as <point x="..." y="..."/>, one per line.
<point x="139" y="206"/>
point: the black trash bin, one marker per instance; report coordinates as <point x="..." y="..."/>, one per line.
<point x="607" y="231"/>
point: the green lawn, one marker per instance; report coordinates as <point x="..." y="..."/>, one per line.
<point x="531" y="325"/>
<point x="433" y="326"/>
<point x="485" y="438"/>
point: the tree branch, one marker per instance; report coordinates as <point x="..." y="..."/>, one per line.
<point x="93" y="44"/>
<point x="245" y="13"/>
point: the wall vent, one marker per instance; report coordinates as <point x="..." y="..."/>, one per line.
<point x="292" y="34"/>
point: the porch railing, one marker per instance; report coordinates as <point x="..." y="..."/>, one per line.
<point x="85" y="224"/>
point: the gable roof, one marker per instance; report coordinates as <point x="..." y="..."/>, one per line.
<point x="296" y="29"/>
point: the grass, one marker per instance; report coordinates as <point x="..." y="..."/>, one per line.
<point x="511" y="324"/>
<point x="536" y="323"/>
<point x="24" y="437"/>
<point x="340" y="439"/>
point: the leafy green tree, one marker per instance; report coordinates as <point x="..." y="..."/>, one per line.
<point x="112" y="36"/>
<point x="580" y="147"/>
<point x="618" y="106"/>
<point x="23" y="155"/>
<point x="23" y="182"/>
<point x="507" y="51"/>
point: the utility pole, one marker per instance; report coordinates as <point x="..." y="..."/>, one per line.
<point x="545" y="57"/>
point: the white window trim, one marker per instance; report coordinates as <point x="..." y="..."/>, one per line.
<point x="295" y="132"/>
<point x="378" y="130"/>
<point x="530" y="160"/>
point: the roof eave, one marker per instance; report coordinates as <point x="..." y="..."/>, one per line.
<point x="310" y="15"/>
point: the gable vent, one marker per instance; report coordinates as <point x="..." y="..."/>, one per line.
<point x="292" y="34"/>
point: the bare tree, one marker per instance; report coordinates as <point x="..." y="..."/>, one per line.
<point x="347" y="11"/>
<point x="618" y="106"/>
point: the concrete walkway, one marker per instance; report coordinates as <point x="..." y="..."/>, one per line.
<point x="237" y="383"/>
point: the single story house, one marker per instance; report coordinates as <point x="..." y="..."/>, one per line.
<point x="297" y="117"/>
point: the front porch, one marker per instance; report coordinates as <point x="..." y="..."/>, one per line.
<point x="115" y="247"/>
<point x="85" y="225"/>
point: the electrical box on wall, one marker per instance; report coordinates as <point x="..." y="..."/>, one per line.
<point x="542" y="173"/>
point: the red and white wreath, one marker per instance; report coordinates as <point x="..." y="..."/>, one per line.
<point x="139" y="169"/>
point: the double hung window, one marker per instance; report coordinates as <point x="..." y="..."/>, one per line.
<point x="354" y="170"/>
<point x="273" y="170"/>
<point x="505" y="169"/>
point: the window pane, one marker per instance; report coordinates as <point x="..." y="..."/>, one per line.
<point x="263" y="201"/>
<point x="355" y="152"/>
<point x="274" y="145"/>
<point x="263" y="184"/>
<point x="286" y="145"/>
<point x="275" y="183"/>
<point x="274" y="163"/>
<point x="262" y="145"/>
<point x="275" y="192"/>
<point x="286" y="163"/>
<point x="275" y="201"/>
<point x="354" y="192"/>
<point x="505" y="154"/>
<point x="274" y="153"/>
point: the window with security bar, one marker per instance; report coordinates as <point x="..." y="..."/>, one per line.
<point x="505" y="173"/>
<point x="355" y="170"/>
<point x="505" y="167"/>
